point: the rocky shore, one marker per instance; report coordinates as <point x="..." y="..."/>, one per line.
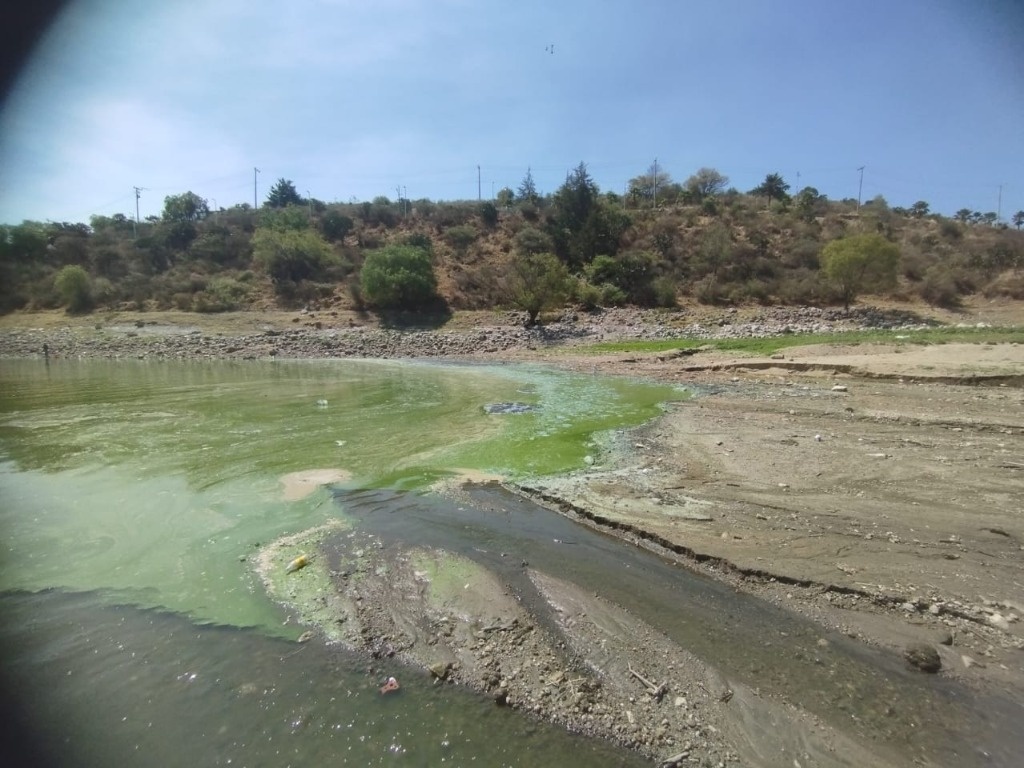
<point x="318" y="335"/>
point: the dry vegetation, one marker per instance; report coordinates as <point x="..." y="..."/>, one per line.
<point x="719" y="249"/>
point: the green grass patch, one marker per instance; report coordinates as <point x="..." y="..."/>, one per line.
<point x="770" y="345"/>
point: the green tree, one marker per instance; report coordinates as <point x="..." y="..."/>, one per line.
<point x="23" y="243"/>
<point x="282" y="194"/>
<point x="774" y="187"/>
<point x="1018" y="219"/>
<point x="919" y="209"/>
<point x="528" y="189"/>
<point x="398" y="277"/>
<point x="650" y="186"/>
<point x="489" y="214"/>
<point x="289" y="217"/>
<point x="963" y="215"/>
<point x="291" y="255"/>
<point x="185" y="207"/>
<point x="537" y="282"/>
<point x="859" y="263"/>
<point x="706" y="182"/>
<point x="810" y="203"/>
<point x="631" y="272"/>
<point x="75" y="288"/>
<point x="335" y="226"/>
<point x="582" y="224"/>
<point x="505" y="197"/>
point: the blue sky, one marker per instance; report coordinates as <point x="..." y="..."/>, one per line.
<point x="353" y="99"/>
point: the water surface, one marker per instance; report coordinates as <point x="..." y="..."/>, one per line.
<point x="133" y="495"/>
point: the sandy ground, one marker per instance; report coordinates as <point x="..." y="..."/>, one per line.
<point x="862" y="490"/>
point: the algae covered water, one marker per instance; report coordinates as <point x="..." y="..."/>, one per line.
<point x="139" y="491"/>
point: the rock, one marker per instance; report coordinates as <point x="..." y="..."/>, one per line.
<point x="998" y="621"/>
<point x="944" y="638"/>
<point x="923" y="657"/>
<point x="968" y="662"/>
<point x="441" y="669"/>
<point x="839" y="388"/>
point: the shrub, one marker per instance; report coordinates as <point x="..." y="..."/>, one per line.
<point x="939" y="287"/>
<point x="859" y="263"/>
<point x="335" y="226"/>
<point x="75" y="288"/>
<point x="664" y="292"/>
<point x="461" y="236"/>
<point x="292" y="255"/>
<point x="222" y="294"/>
<point x="951" y="230"/>
<point x="398" y="276"/>
<point x="530" y="240"/>
<point x="422" y="241"/>
<point x="709" y="290"/>
<point x="1009" y="285"/>
<point x="489" y="214"/>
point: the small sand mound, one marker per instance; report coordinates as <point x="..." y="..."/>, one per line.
<point x="298" y="485"/>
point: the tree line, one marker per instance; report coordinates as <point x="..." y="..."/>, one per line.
<point x="657" y="243"/>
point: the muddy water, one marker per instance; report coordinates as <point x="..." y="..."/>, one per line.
<point x="148" y="688"/>
<point x="862" y="691"/>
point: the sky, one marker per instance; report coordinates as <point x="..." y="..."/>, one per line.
<point x="351" y="100"/>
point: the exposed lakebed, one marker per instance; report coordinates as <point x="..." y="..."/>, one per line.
<point x="148" y="493"/>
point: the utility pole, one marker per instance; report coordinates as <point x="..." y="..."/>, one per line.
<point x="860" y="187"/>
<point x="798" y="182"/>
<point x="405" y="200"/>
<point x="479" y="196"/>
<point x="255" y="196"/>
<point x="309" y="200"/>
<point x="655" y="182"/>
<point x="999" y="205"/>
<point x="135" y="224"/>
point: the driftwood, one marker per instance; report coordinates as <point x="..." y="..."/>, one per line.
<point x="657" y="691"/>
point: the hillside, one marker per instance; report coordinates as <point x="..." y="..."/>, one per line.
<point x="577" y="246"/>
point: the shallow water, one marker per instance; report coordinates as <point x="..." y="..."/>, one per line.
<point x="143" y="687"/>
<point x="134" y="485"/>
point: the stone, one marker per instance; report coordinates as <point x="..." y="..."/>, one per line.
<point x="998" y="621"/>
<point x="923" y="657"/>
<point x="441" y="669"/>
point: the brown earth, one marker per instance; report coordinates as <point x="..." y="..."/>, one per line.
<point x="878" y="490"/>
